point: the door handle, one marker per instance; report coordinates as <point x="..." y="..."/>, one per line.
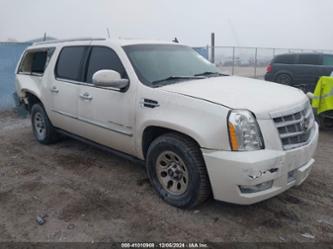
<point x="86" y="96"/>
<point x="54" y="89"/>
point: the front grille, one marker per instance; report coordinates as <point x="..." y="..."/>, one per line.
<point x="295" y="129"/>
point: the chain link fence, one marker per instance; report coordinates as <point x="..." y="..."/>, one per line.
<point x="250" y="61"/>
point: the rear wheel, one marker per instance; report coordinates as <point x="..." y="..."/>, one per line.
<point x="284" y="79"/>
<point x="325" y="120"/>
<point x="177" y="171"/>
<point x="42" y="128"/>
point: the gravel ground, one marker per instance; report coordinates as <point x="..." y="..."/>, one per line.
<point x="90" y="195"/>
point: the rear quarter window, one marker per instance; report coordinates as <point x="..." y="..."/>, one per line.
<point x="34" y="62"/>
<point x="285" y="59"/>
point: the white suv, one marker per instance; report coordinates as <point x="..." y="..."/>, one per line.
<point x="199" y="131"/>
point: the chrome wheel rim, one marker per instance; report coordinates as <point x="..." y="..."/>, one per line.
<point x="172" y="173"/>
<point x="39" y="126"/>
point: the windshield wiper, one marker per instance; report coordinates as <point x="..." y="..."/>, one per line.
<point x="210" y="74"/>
<point x="172" y="78"/>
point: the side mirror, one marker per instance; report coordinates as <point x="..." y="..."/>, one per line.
<point x="109" y="78"/>
<point x="310" y="95"/>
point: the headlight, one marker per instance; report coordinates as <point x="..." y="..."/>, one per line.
<point x="244" y="131"/>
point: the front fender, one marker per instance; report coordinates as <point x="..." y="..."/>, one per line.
<point x="204" y="122"/>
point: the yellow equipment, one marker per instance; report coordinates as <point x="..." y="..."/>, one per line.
<point x="323" y="95"/>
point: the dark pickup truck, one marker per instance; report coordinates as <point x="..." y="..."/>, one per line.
<point x="299" y="70"/>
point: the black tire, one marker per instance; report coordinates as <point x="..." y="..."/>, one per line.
<point x="325" y="121"/>
<point x="284" y="78"/>
<point x="198" y="186"/>
<point x="40" y="122"/>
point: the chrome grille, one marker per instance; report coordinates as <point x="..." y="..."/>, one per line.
<point x="295" y="129"/>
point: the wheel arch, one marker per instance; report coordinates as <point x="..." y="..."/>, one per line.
<point x="30" y="98"/>
<point x="151" y="132"/>
<point x="284" y="72"/>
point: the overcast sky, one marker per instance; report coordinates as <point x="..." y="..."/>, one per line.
<point x="265" y="23"/>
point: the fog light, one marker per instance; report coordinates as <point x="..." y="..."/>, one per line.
<point x="256" y="188"/>
<point x="292" y="175"/>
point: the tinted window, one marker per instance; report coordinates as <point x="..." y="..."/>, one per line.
<point x="311" y="59"/>
<point x="38" y="62"/>
<point x="154" y="63"/>
<point x="285" y="59"/>
<point x="104" y="58"/>
<point x="70" y="61"/>
<point x="328" y="60"/>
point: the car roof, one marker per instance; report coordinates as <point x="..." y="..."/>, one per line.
<point x="85" y="41"/>
<point x="295" y="54"/>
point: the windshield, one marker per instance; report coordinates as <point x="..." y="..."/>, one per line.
<point x="158" y="65"/>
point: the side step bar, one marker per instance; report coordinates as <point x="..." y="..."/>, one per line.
<point x="103" y="147"/>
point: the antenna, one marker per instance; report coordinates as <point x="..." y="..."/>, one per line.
<point x="233" y="31"/>
<point x="108" y="32"/>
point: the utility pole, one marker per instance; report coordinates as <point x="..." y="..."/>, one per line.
<point x="233" y="61"/>
<point x="212" y="47"/>
<point x="255" y="62"/>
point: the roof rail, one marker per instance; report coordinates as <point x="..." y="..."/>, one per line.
<point x="69" y="40"/>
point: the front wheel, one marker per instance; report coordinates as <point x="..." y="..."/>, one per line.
<point x="177" y="171"/>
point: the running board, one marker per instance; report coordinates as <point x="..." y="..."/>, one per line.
<point x="103" y="147"/>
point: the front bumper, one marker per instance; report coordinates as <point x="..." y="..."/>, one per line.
<point x="228" y="170"/>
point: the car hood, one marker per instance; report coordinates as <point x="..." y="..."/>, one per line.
<point x="260" y="97"/>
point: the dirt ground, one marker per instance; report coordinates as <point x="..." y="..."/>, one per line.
<point x="90" y="195"/>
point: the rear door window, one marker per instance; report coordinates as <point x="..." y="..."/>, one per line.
<point x="328" y="60"/>
<point x="285" y="59"/>
<point x="309" y="59"/>
<point x="35" y="62"/>
<point x="104" y="58"/>
<point x="70" y="63"/>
